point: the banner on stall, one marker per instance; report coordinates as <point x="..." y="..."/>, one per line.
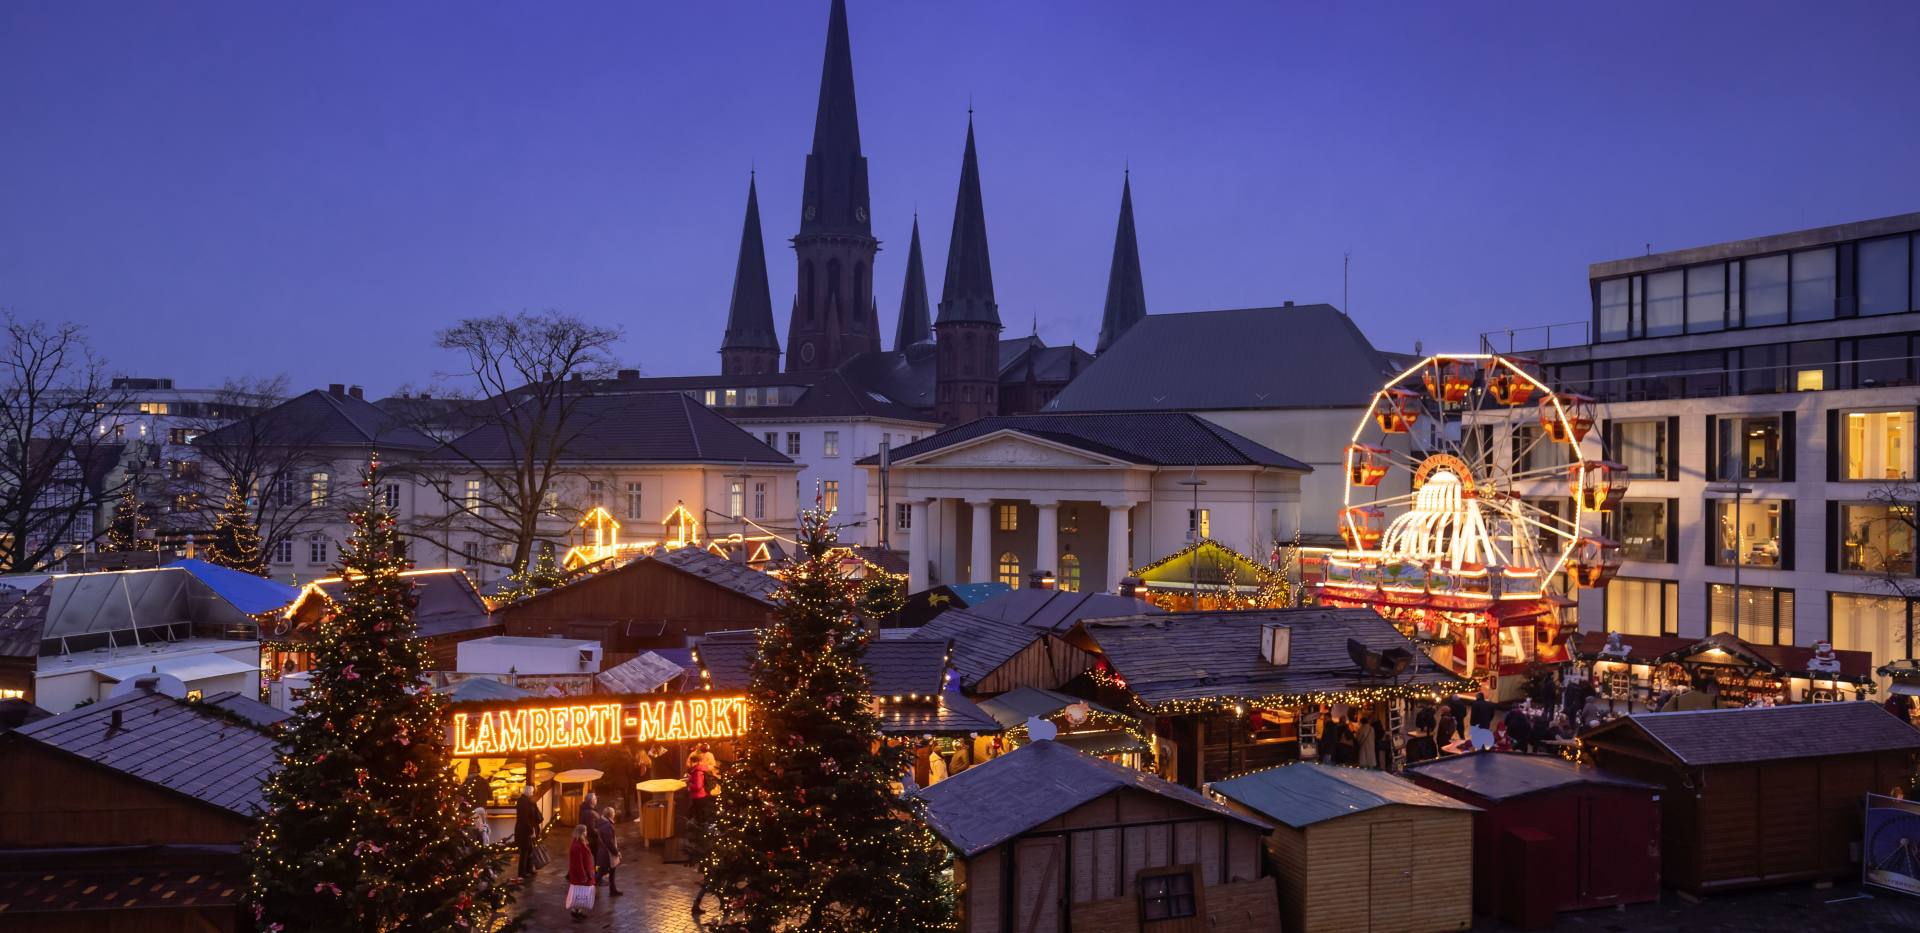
<point x="585" y="723"/>
<point x="1892" y="851"/>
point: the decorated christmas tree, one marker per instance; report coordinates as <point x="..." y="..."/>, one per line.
<point x="808" y="833"/>
<point x="536" y="576"/>
<point x="365" y="828"/>
<point x="129" y="520"/>
<point x="235" y="541"/>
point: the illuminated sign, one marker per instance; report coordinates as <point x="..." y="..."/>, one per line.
<point x="584" y="724"/>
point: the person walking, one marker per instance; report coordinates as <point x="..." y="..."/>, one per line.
<point x="589" y="805"/>
<point x="701" y="787"/>
<point x="1481" y="716"/>
<point x="1368" y="751"/>
<point x="526" y="829"/>
<point x="1519" y="729"/>
<point x="579" y="874"/>
<point x="1446" y="729"/>
<point x="606" y="851"/>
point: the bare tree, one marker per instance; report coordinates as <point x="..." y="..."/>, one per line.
<point x="518" y="431"/>
<point x="269" y="457"/>
<point x="58" y="407"/>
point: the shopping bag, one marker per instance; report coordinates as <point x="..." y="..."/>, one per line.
<point x="579" y="897"/>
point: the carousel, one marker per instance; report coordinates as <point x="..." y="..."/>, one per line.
<point x="1471" y="513"/>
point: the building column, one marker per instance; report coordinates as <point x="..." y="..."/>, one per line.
<point x="1048" y="558"/>
<point x="918" y="538"/>
<point x="948" y="554"/>
<point x="1117" y="546"/>
<point x="982" y="569"/>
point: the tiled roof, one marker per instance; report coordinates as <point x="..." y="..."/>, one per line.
<point x="1505" y="776"/>
<point x="639" y="427"/>
<point x="1304" y="793"/>
<point x="721" y="572"/>
<point x="1163" y="438"/>
<point x="997" y="800"/>
<point x="980" y="643"/>
<point x="1196" y="656"/>
<point x="168" y="742"/>
<point x="1800" y="730"/>
<point x="1303" y="356"/>
<point x="321" y="419"/>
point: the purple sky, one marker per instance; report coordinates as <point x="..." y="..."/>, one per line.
<point x="252" y="188"/>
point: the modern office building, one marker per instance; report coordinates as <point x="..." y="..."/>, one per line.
<point x="1763" y="395"/>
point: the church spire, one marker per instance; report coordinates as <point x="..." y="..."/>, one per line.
<point x="835" y="196"/>
<point x="1126" y="296"/>
<point x="750" y="346"/>
<point x="916" y="321"/>
<point x="968" y="292"/>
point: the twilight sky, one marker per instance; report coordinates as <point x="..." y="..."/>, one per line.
<point x="253" y="188"/>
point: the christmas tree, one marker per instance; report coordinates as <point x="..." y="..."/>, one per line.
<point x="235" y="541"/>
<point x="536" y="576"/>
<point x="365" y="828"/>
<point x="808" y="833"/>
<point x="129" y="520"/>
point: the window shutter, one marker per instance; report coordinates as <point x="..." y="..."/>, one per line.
<point x="1673" y="531"/>
<point x="1713" y="449"/>
<point x="1786" y="535"/>
<point x="1787" y="448"/>
<point x="1834" y="440"/>
<point x="1673" y="448"/>
<point x="1833" y="537"/>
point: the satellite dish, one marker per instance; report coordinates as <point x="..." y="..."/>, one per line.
<point x="154" y="682"/>
<point x="1040" y="730"/>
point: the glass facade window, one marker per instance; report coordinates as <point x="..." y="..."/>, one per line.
<point x="1706" y="298"/>
<point x="1765" y="297"/>
<point x="1812" y="365"/>
<point x="1764" y="370"/>
<point x="1883" y="276"/>
<point x="1883" y="625"/>
<point x="1642" y="447"/>
<point x="1876" y="538"/>
<point x="1533" y="450"/>
<point x="1813" y="280"/>
<point x="1641" y="528"/>
<point x="1069" y="579"/>
<point x="1643" y="607"/>
<point x="1614" y="321"/>
<point x="1878" y="361"/>
<point x="1876" y="445"/>
<point x="1751" y="535"/>
<point x="1766" y="614"/>
<point x="830" y="495"/>
<point x="1749" y="448"/>
<point x="1666" y="303"/>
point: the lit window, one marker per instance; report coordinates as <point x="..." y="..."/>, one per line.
<point x="1877" y="623"/>
<point x="730" y="398"/>
<point x="1752" y="538"/>
<point x="1749" y="448"/>
<point x="759" y="500"/>
<point x="317" y="549"/>
<point x="830" y="444"/>
<point x="634" y="508"/>
<point x="1009" y="570"/>
<point x="471" y="501"/>
<point x="1876" y="538"/>
<point x="1070" y="573"/>
<point x="1643" y="607"/>
<point x="153" y="408"/>
<point x="1198" y="524"/>
<point x="1877" y="445"/>
<point x="712" y="397"/>
<point x="1165" y="897"/>
<point x="736" y="498"/>
<point x="903" y="516"/>
<point x="1766" y="614"/>
<point x="793" y="443"/>
<point x="1009" y="518"/>
<point x="318" y="486"/>
<point x="830" y="495"/>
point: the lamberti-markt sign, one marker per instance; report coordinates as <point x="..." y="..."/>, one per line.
<point x="585" y="722"/>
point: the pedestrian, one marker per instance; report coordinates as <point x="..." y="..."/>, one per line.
<point x="1446" y="730"/>
<point x="1482" y="715"/>
<point x="606" y="850"/>
<point x="1458" y="704"/>
<point x="526" y="829"/>
<point x="701" y="786"/>
<point x="589" y="805"/>
<point x="1420" y="746"/>
<point x="1519" y="730"/>
<point x="1330" y="738"/>
<point x="579" y="874"/>
<point x="1424" y="719"/>
<point x="1368" y="751"/>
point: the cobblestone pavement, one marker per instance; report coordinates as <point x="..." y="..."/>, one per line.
<point x="658" y="896"/>
<point x="1800" y="908"/>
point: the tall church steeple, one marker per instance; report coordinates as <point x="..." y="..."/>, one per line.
<point x="916" y="320"/>
<point x="834" y="314"/>
<point x="967" y="365"/>
<point x="1126" y="296"/>
<point x="750" y="346"/>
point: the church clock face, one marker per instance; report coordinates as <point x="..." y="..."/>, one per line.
<point x="806" y="349"/>
<point x="860" y="213"/>
<point x="809" y="212"/>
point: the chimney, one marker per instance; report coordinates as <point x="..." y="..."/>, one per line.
<point x="113" y="725"/>
<point x="356" y="393"/>
<point x="1041" y="580"/>
<point x="1287" y="304"/>
<point x="1130" y="587"/>
<point x="337" y="389"/>
<point x="628" y="375"/>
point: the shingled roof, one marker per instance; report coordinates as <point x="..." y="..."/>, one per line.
<point x="1298" y="356"/>
<point x="1162" y="438"/>
<point x="719" y="571"/>
<point x="1734" y="736"/>
<point x="178" y="745"/>
<point x="994" y="801"/>
<point x="1206" y="655"/>
<point x="1304" y="793"/>
<point x="639" y="427"/>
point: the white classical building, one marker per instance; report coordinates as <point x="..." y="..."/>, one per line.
<point x="1086" y="496"/>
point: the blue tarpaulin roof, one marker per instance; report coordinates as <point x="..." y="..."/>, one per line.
<point x="977" y="593"/>
<point x="246" y="592"/>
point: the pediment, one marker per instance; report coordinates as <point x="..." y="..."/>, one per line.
<point x="1011" y="450"/>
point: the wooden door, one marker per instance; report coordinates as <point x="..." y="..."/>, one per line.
<point x="1038" y="865"/>
<point x="1390" y="899"/>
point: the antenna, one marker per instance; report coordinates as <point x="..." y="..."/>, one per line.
<point x="1346" y="266"/>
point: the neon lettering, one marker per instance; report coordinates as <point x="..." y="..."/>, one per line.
<point x="513" y="730"/>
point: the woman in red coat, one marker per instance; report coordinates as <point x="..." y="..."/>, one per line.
<point x="579" y="874"/>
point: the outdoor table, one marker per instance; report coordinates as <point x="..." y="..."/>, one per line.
<point x="656" y="815"/>
<point x="570" y="795"/>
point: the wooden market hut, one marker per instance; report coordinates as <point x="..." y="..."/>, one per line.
<point x="1602" y="828"/>
<point x="1079" y="724"/>
<point x="1357" y="849"/>
<point x="1206" y="567"/>
<point x="448" y="611"/>
<point x="1762" y="795"/>
<point x="662" y="601"/>
<point x="130" y="814"/>
<point x="1224" y="700"/>
<point x="1048" y="840"/>
<point x="1026" y="638"/>
<point x="1630" y="671"/>
<point x="909" y="678"/>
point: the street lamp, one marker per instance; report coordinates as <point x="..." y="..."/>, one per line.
<point x="1736" y="491"/>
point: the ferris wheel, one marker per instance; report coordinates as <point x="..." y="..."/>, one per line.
<point x="1469" y="497"/>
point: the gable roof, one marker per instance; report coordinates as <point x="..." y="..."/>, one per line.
<point x="994" y="801"/>
<point x="1300" y="356"/>
<point x="1734" y="736"/>
<point x="170" y="743"/>
<point x="322" y="419"/>
<point x="981" y="643"/>
<point x="1500" y="776"/>
<point x="1856" y="666"/>
<point x="721" y="572"/>
<point x="1206" y="655"/>
<point x="1161" y="438"/>
<point x="445" y="600"/>
<point x="1304" y="793"/>
<point x="637" y="427"/>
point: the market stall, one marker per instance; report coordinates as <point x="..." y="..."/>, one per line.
<point x="1637" y="673"/>
<point x="1080" y="724"/>
<point x="1209" y="575"/>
